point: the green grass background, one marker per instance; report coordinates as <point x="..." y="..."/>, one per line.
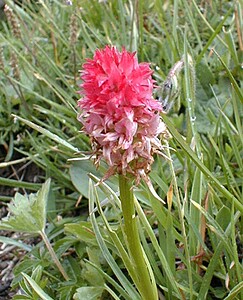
<point x="194" y="244"/>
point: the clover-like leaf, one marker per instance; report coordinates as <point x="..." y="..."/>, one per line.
<point x="27" y="212"/>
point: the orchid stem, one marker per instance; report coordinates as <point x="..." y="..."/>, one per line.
<point x="144" y="279"/>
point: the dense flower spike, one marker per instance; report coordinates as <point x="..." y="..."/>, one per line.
<point x="119" y="112"/>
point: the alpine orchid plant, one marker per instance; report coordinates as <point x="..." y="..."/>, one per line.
<point x="123" y="120"/>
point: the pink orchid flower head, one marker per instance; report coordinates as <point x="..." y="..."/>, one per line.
<point x="118" y="111"/>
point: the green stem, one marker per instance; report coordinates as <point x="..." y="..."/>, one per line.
<point x="53" y="255"/>
<point x="144" y="279"/>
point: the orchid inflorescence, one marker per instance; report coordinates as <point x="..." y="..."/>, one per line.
<point x="119" y="112"/>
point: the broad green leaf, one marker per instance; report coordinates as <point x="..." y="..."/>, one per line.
<point x="205" y="77"/>
<point x="223" y="217"/>
<point x="80" y="170"/>
<point x="88" y="293"/>
<point x="27" y="213"/>
<point x="91" y="274"/>
<point x="82" y="230"/>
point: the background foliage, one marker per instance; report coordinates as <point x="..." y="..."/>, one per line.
<point x="194" y="243"/>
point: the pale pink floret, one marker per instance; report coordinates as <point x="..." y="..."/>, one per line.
<point x="119" y="112"/>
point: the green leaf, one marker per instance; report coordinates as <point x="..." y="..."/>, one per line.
<point x="36" y="287"/>
<point x="223" y="217"/>
<point x="231" y="77"/>
<point x="210" y="177"/>
<point x="205" y="77"/>
<point x="79" y="171"/>
<point x="112" y="282"/>
<point x="88" y="293"/>
<point x="82" y="230"/>
<point x="236" y="290"/>
<point x="157" y="248"/>
<point x="207" y="278"/>
<point x="91" y="274"/>
<point x="10" y="241"/>
<point x="105" y="251"/>
<point x="111" y="292"/>
<point x="21" y="297"/>
<point x="47" y="133"/>
<point x="21" y="184"/>
<point x="27" y="213"/>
